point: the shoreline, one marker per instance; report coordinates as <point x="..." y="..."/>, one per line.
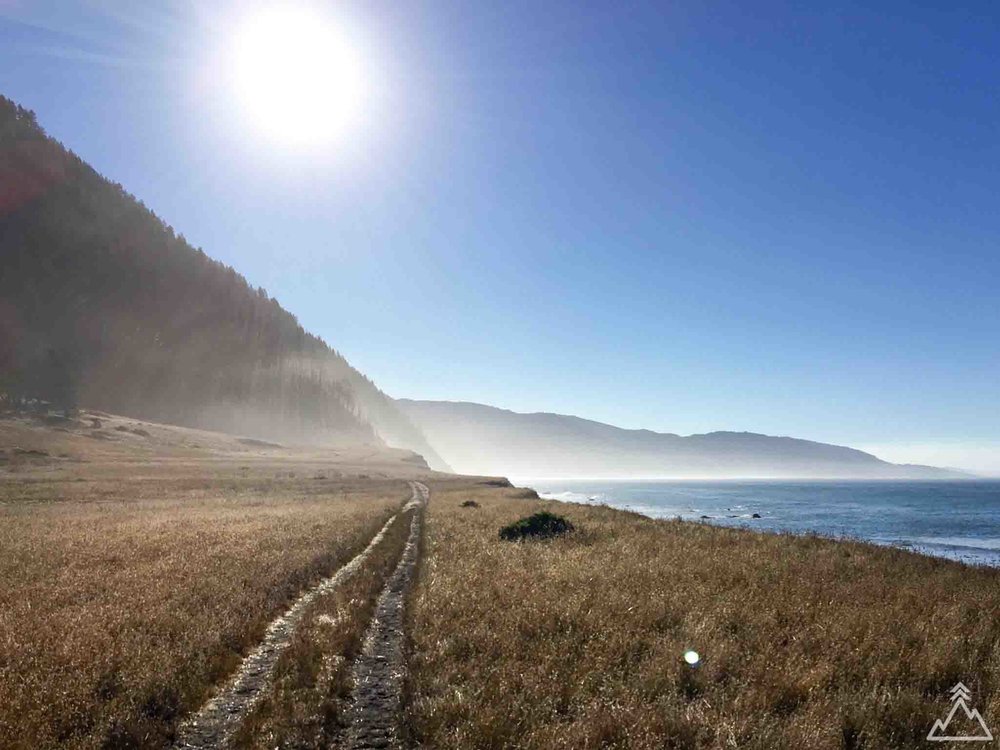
<point x="746" y="505"/>
<point x="788" y="650"/>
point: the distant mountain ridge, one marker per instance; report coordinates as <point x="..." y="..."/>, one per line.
<point x="479" y="439"/>
<point x="103" y="304"/>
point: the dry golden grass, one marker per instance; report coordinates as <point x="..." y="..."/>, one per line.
<point x="577" y="642"/>
<point x="135" y="570"/>
<point x="130" y="582"/>
<point x="306" y="706"/>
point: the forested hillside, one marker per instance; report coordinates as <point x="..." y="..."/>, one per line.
<point x="104" y="304"/>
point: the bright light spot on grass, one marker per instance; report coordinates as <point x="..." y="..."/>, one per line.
<point x="692" y="658"/>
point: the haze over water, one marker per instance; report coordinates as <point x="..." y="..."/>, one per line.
<point x="959" y="520"/>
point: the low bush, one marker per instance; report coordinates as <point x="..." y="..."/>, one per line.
<point x="538" y="526"/>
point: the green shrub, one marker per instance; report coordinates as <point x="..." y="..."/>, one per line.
<point x="538" y="526"/>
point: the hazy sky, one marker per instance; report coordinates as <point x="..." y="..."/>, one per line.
<point x="686" y="216"/>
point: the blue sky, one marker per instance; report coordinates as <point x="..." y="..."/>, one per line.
<point x="690" y="216"/>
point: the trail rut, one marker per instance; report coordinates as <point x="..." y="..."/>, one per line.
<point x="378" y="672"/>
<point x="214" y="725"/>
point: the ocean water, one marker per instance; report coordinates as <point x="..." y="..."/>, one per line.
<point x="954" y="519"/>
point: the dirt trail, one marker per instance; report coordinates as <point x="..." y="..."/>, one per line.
<point x="378" y="672"/>
<point x="215" y="723"/>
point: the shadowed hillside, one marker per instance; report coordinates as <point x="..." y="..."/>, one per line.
<point x="103" y="304"/>
<point x="478" y="439"/>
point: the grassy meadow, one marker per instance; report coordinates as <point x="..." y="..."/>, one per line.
<point x="577" y="642"/>
<point x="130" y="584"/>
<point x="137" y="566"/>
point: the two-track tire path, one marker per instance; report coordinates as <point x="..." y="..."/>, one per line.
<point x="214" y="725"/>
<point x="376" y="704"/>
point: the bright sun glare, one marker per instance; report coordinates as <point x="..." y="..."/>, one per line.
<point x="297" y="75"/>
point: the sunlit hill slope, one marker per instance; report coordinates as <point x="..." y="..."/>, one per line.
<point x="103" y="304"/>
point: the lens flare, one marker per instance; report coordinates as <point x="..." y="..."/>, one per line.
<point x="297" y="75"/>
<point x="692" y="658"/>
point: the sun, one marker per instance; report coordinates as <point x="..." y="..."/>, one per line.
<point x="296" y="75"/>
